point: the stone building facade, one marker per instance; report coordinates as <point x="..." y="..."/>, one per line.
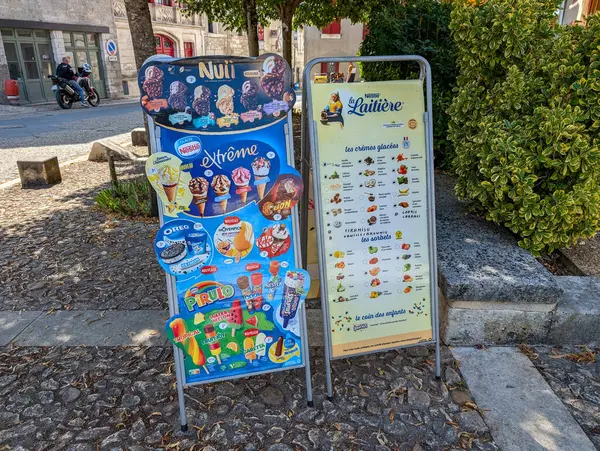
<point x="35" y="35"/>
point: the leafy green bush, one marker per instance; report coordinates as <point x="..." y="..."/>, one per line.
<point x="525" y="120"/>
<point x="130" y="198"/>
<point x="415" y="27"/>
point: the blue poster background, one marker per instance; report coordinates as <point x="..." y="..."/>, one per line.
<point x="228" y="236"/>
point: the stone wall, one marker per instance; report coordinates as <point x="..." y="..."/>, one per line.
<point x="98" y="13"/>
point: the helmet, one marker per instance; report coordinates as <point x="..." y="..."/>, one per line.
<point x="87" y="68"/>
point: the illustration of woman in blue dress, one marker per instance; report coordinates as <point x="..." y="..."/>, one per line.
<point x="333" y="111"/>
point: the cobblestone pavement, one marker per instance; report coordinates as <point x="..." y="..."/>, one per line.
<point x="573" y="373"/>
<point x="112" y="398"/>
<point x="58" y="251"/>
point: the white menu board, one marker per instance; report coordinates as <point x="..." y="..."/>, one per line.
<point x="372" y="205"/>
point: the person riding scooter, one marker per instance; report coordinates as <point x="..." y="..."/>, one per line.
<point x="64" y="70"/>
<point x="83" y="77"/>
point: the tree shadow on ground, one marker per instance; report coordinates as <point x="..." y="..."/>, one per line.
<point x="60" y="251"/>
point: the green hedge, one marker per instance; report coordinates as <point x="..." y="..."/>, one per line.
<point x="416" y="27"/>
<point x="525" y="120"/>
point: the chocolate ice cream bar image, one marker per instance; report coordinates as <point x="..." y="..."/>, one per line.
<point x="201" y="103"/>
<point x="178" y="96"/>
<point x="153" y="84"/>
<point x="249" y="95"/>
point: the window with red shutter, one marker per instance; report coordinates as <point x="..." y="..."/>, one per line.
<point x="334" y="27"/>
<point x="188" y="49"/>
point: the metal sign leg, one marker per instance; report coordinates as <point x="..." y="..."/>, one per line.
<point x="309" y="393"/>
<point x="178" y="356"/>
<point x="432" y="238"/>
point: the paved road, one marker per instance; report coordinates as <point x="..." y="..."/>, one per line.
<point x="50" y="131"/>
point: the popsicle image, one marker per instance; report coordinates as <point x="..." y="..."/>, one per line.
<point x="235" y="317"/>
<point x="189" y="344"/>
<point x="215" y="346"/>
<point x="293" y="288"/>
<point x="261" y="345"/>
<point x="244" y="285"/>
<point x="199" y="189"/>
<point x="169" y="179"/>
<point x="279" y="347"/>
<point x="249" y="346"/>
<point x="242" y="242"/>
<point x="220" y="185"/>
<point x="261" y="167"/>
<point x="241" y="178"/>
<point x="257" y="288"/>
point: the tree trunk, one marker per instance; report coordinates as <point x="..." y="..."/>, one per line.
<point x="251" y="26"/>
<point x="140" y="25"/>
<point x="287" y="16"/>
<point x="142" y="37"/>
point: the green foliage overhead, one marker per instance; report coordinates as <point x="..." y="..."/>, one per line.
<point x="415" y="27"/>
<point x="525" y="120"/>
<point x="229" y="13"/>
<point x="308" y="12"/>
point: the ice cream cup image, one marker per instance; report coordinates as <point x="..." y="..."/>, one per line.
<point x="199" y="189"/>
<point x="241" y="178"/>
<point x="196" y="242"/>
<point x="169" y="179"/>
<point x="261" y="167"/>
<point x="221" y="185"/>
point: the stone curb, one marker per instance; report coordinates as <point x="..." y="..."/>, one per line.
<point x="520" y="408"/>
<point x="102" y="328"/>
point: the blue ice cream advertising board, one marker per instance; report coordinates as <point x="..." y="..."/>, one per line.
<point x="228" y="197"/>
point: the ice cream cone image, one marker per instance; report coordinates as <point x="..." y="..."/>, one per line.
<point x="200" y="204"/>
<point x="170" y="192"/>
<point x="169" y="179"/>
<point x="241" y="178"/>
<point x="261" y="190"/>
<point x="199" y="189"/>
<point x="220" y="185"/>
<point x="261" y="167"/>
<point x="223" y="205"/>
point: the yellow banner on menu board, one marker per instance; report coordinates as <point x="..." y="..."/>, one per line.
<point x="371" y="165"/>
